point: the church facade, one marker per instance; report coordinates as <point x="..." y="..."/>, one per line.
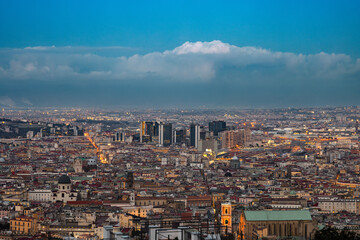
<point x="64" y="192"/>
<point x="285" y="223"/>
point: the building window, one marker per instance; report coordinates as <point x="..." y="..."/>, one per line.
<point x="280" y="233"/>
<point x="269" y="229"/>
<point x="274" y="230"/>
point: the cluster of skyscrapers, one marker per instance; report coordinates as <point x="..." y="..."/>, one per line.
<point x="216" y="136"/>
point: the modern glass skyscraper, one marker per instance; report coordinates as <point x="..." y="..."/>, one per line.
<point x="148" y="130"/>
<point x="217" y="126"/>
<point x="165" y="134"/>
<point x="194" y="135"/>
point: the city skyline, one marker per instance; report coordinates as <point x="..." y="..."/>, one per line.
<point x="212" y="174"/>
<point x="179" y="120"/>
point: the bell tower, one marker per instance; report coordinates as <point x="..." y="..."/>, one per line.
<point x="226" y="217"/>
<point x="78" y="166"/>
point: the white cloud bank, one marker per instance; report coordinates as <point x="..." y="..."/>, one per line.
<point x="190" y="62"/>
<point x="213" y="47"/>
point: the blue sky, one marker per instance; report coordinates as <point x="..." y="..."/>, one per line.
<point x="55" y="44"/>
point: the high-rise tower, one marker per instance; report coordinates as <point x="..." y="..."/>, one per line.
<point x="217" y="126"/>
<point x="165" y="134"/>
<point x="194" y="135"/>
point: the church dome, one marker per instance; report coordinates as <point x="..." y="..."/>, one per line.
<point x="64" y="179"/>
<point x="235" y="158"/>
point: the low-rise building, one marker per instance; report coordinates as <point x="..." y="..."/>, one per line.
<point x="338" y="205"/>
<point x="23" y="225"/>
<point x="40" y="195"/>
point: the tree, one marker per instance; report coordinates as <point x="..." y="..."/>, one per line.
<point x="329" y="233"/>
<point x="4" y="226"/>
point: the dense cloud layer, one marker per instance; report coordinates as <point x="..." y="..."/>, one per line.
<point x="193" y="74"/>
<point x="190" y="62"/>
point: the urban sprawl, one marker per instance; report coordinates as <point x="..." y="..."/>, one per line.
<point x="178" y="174"/>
